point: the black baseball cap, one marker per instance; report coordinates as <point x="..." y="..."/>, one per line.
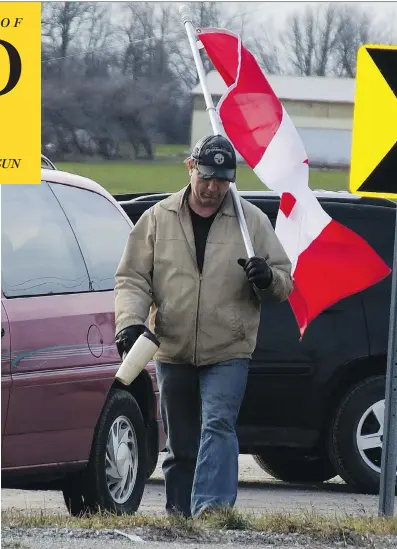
<point x="216" y="158"/>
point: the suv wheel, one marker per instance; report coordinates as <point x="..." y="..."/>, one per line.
<point x="356" y="438"/>
<point x="152" y="450"/>
<point x="151" y="467"/>
<point x="115" y="476"/>
<point x="290" y="466"/>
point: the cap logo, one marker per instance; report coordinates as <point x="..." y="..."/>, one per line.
<point x="222" y="151"/>
<point x="219" y="158"/>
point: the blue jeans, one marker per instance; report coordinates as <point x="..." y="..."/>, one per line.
<point x="199" y="409"/>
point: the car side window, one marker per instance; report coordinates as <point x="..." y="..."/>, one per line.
<point x="39" y="252"/>
<point x="101" y="231"/>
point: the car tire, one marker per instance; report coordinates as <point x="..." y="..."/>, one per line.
<point x="76" y="495"/>
<point x="115" y="477"/>
<point x="152" y="464"/>
<point x="290" y="466"/>
<point x="359" y="415"/>
<point x="152" y="450"/>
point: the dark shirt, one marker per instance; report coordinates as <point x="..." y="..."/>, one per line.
<point x="201" y="227"/>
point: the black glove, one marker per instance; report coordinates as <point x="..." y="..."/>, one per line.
<point x="258" y="271"/>
<point x="126" y="338"/>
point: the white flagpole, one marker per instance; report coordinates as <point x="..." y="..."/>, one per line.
<point x="215" y="122"/>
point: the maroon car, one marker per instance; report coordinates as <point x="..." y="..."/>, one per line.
<point x="65" y="420"/>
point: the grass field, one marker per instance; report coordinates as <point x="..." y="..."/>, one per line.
<point x="170" y="176"/>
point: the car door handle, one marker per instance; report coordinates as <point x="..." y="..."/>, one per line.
<point x="3" y="332"/>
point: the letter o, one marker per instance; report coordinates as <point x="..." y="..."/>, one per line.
<point x="15" y="67"/>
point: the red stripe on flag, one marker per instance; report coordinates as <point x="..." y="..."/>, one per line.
<point x="253" y="113"/>
<point x="287" y="203"/>
<point x="222" y="48"/>
<point x="337" y="264"/>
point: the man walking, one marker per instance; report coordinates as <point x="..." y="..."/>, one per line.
<point x="183" y="264"/>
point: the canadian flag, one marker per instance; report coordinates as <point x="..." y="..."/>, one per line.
<point x="329" y="261"/>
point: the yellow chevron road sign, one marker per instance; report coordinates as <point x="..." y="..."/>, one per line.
<point x="373" y="170"/>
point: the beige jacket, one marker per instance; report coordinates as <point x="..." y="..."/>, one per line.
<point x="199" y="319"/>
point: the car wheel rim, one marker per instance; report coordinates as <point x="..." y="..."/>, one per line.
<point x="121" y="462"/>
<point x="370" y="435"/>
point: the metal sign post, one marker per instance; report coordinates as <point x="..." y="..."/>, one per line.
<point x="389" y="453"/>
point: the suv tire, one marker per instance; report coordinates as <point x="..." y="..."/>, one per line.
<point x="151" y="467"/>
<point x="114" y="479"/>
<point x="152" y="450"/>
<point x="290" y="466"/>
<point x="359" y="415"/>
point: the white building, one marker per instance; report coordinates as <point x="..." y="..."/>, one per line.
<point x="320" y="107"/>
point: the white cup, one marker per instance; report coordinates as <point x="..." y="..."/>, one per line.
<point x="137" y="358"/>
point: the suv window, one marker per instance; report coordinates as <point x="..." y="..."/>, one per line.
<point x="39" y="252"/>
<point x="101" y="230"/>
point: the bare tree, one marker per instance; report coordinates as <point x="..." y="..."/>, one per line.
<point x="356" y="28"/>
<point x="118" y="84"/>
<point x="324" y="39"/>
<point x="99" y="39"/>
<point x="266" y="49"/>
<point x="143" y="40"/>
<point x="205" y="14"/>
<point x="61" y="24"/>
<point x="62" y="117"/>
<point x="310" y="39"/>
<point x="75" y="38"/>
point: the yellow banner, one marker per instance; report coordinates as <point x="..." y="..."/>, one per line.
<point x="20" y="92"/>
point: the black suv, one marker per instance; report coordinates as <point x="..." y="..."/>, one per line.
<point x="314" y="409"/>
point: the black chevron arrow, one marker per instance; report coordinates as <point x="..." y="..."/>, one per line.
<point x="383" y="179"/>
<point x="385" y="60"/>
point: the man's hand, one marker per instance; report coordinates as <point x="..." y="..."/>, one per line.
<point x="258" y="271"/>
<point x="126" y="338"/>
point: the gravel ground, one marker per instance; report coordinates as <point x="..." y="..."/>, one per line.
<point x="258" y="493"/>
<point x="64" y="538"/>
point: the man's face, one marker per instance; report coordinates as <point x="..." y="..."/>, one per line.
<point x="209" y="193"/>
